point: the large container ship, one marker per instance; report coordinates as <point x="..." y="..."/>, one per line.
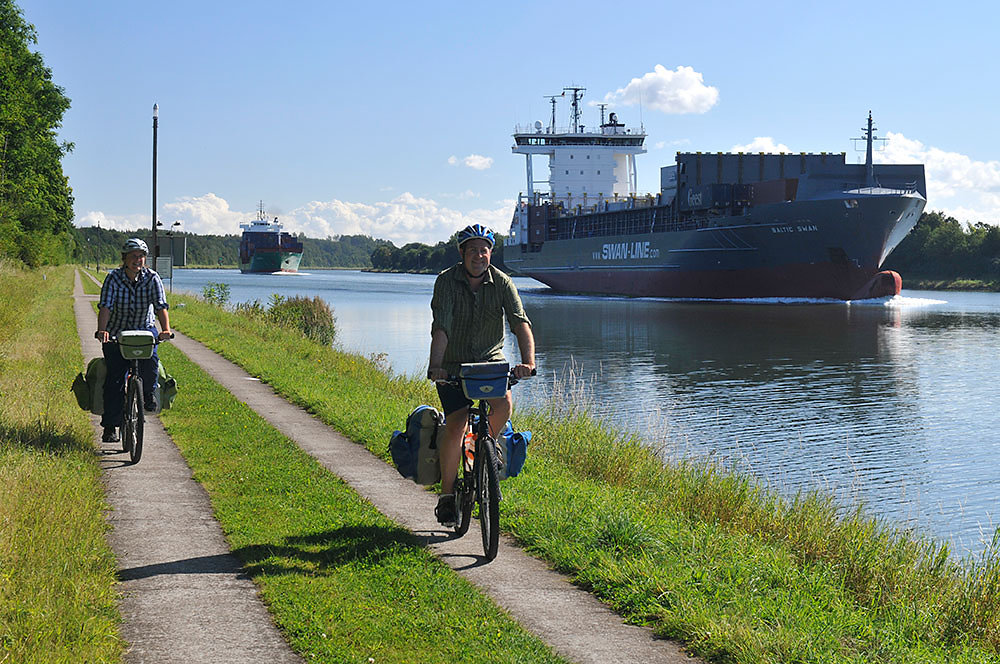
<point x="264" y="247"/>
<point x="723" y="225"/>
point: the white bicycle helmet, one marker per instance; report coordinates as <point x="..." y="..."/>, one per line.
<point x="134" y="244"/>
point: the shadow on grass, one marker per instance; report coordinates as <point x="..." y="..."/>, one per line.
<point x="43" y="436"/>
<point x="321" y="552"/>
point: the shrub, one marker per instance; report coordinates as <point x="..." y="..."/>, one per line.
<point x="311" y="316"/>
<point x="216" y="293"/>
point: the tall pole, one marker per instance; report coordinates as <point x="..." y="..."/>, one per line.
<point x="156" y="123"/>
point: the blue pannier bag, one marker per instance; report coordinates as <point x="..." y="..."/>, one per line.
<point x="515" y="450"/>
<point x="414" y="451"/>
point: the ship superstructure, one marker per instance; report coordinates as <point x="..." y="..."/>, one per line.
<point x="265" y="247"/>
<point x="723" y="225"/>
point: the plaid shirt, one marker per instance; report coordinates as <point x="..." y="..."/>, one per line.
<point x="132" y="303"/>
<point x="473" y="322"/>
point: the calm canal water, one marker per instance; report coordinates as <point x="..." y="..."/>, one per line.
<point x="889" y="403"/>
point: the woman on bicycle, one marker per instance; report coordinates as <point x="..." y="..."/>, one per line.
<point x="469" y="303"/>
<point x="130" y="296"/>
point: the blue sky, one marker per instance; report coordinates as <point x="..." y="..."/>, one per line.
<point x="394" y="119"/>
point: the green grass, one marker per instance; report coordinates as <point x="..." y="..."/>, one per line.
<point x="953" y="284"/>
<point x="342" y="581"/>
<point x="57" y="573"/>
<point x="704" y="556"/>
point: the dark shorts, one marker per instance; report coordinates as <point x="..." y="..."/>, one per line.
<point x="452" y="398"/>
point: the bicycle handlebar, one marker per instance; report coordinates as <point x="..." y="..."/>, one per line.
<point x="113" y="339"/>
<point x="457" y="380"/>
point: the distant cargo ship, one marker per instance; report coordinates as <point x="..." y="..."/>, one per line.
<point x="724" y="225"/>
<point x="264" y="247"/>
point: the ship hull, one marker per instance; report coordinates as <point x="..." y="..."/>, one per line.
<point x="263" y="260"/>
<point x="831" y="248"/>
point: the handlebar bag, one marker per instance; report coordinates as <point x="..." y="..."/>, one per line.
<point x="136" y="344"/>
<point x="484" y="380"/>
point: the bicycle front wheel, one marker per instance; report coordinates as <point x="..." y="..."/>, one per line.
<point x="132" y="421"/>
<point x="489" y="496"/>
<point x="465" y="497"/>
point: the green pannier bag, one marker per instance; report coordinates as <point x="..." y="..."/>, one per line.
<point x="166" y="388"/>
<point x="88" y="388"/>
<point x="96" y="372"/>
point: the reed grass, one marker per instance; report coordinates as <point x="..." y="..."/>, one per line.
<point x="57" y="573"/>
<point x="700" y="553"/>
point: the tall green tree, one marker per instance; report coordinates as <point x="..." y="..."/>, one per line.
<point x="36" y="203"/>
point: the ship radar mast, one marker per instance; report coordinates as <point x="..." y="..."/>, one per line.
<point x="575" y="111"/>
<point x="869" y="137"/>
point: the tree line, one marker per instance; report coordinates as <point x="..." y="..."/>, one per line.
<point x="36" y="202"/>
<point x="941" y="248"/>
<point x="103" y="246"/>
<point x="423" y="258"/>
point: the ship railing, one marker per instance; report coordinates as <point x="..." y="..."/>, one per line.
<point x="596" y="131"/>
<point x="896" y="190"/>
<point x="571" y="205"/>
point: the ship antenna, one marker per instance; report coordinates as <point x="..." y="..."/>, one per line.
<point x="869" y="137"/>
<point x="869" y="164"/>
<point x="575" y="112"/>
<point x="602" y="107"/>
<point x="552" y="100"/>
<point x="260" y="211"/>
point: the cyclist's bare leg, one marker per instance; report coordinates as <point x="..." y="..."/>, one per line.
<point x="450" y="448"/>
<point x="500" y="410"/>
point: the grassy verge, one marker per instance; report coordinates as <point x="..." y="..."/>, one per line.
<point x="345" y="583"/>
<point x="701" y="555"/>
<point x="953" y="284"/>
<point x="57" y="574"/>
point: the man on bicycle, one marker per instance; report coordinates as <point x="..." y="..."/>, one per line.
<point x="129" y="297"/>
<point x="469" y="303"/>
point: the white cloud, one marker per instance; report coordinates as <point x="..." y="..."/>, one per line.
<point x="962" y="187"/>
<point x="207" y="215"/>
<point x="762" y="144"/>
<point x="474" y="161"/>
<point x="462" y="196"/>
<point x="682" y="90"/>
<point x="405" y="218"/>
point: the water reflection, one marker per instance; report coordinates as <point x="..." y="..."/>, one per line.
<point x="852" y="398"/>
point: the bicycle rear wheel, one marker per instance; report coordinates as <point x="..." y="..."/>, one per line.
<point x="489" y="496"/>
<point x="132" y="420"/>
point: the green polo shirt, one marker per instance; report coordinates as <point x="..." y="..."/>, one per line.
<point x="473" y="322"/>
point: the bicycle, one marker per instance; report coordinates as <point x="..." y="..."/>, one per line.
<point x="479" y="480"/>
<point x="134" y="345"/>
